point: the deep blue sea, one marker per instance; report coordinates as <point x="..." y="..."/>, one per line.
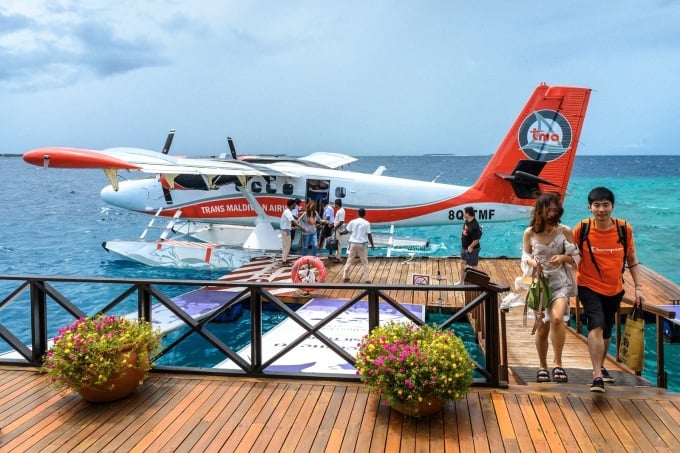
<point x="53" y="222"/>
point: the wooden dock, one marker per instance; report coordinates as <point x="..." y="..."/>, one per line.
<point x="211" y="413"/>
<point x="180" y="413"/>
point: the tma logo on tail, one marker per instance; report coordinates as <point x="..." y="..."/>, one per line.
<point x="545" y="135"/>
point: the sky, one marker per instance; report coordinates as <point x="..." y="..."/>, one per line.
<point x="363" y="78"/>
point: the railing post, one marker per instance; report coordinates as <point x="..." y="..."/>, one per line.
<point x="144" y="303"/>
<point x="373" y="310"/>
<point x="38" y="322"/>
<point x="503" y="372"/>
<point x="661" y="378"/>
<point x="492" y="335"/>
<point x="256" y="328"/>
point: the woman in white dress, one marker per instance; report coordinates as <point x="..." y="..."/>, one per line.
<point x="548" y="246"/>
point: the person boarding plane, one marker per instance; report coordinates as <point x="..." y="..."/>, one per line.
<point x="536" y="154"/>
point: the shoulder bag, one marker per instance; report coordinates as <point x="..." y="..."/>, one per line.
<point x="332" y="244"/>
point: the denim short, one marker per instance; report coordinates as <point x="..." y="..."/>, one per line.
<point x="470" y="258"/>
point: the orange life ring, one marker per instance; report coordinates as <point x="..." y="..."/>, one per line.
<point x="308" y="269"/>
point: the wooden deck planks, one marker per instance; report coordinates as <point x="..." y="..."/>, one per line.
<point x="271" y="425"/>
<point x="188" y="413"/>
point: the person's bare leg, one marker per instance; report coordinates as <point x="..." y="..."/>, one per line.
<point x="541" y="341"/>
<point x="605" y="348"/>
<point x="596" y="349"/>
<point x="557" y="330"/>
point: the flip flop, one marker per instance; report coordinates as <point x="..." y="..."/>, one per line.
<point x="542" y="376"/>
<point x="559" y="375"/>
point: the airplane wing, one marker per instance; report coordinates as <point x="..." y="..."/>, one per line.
<point x="145" y="161"/>
<point x="114" y="159"/>
<point x="212" y="167"/>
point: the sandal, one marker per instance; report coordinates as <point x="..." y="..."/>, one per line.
<point x="542" y="376"/>
<point x="559" y="375"/>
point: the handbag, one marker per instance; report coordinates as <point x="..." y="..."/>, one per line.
<point x="539" y="295"/>
<point x="331" y="244"/>
<point x="632" y="347"/>
<point x="538" y="298"/>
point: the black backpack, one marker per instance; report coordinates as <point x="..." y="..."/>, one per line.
<point x="621" y="228"/>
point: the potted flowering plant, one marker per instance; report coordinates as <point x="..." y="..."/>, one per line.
<point x="415" y="368"/>
<point x="103" y="357"/>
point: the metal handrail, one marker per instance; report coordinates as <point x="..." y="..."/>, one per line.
<point x="481" y="308"/>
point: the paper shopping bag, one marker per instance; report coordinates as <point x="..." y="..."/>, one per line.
<point x="632" y="347"/>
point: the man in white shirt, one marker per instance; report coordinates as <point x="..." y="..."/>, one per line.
<point x="285" y="225"/>
<point x="327" y="219"/>
<point x="338" y="224"/>
<point x="360" y="236"/>
<point x="297" y="211"/>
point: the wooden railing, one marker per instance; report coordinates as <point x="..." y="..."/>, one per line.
<point x="481" y="309"/>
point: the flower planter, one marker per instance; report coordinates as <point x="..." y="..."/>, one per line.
<point x="104" y="358"/>
<point x="405" y="362"/>
<point x="429" y="406"/>
<point x="119" y="385"/>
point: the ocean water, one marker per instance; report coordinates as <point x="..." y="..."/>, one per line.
<point x="53" y="221"/>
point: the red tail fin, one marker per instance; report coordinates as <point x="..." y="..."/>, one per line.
<point x="538" y="152"/>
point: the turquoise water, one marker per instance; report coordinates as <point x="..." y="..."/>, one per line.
<point x="53" y="223"/>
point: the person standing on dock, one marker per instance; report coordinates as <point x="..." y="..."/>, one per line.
<point x="327" y="219"/>
<point x="296" y="215"/>
<point x="548" y="247"/>
<point x="360" y="236"/>
<point x="308" y="223"/>
<point x="607" y="246"/>
<point x="285" y="225"/>
<point x="338" y="226"/>
<point x="469" y="240"/>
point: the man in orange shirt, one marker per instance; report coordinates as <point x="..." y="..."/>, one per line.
<point x="606" y="247"/>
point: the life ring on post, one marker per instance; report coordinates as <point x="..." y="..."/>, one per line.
<point x="308" y="269"/>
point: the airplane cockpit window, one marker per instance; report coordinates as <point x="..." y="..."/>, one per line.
<point x="256" y="187"/>
<point x="288" y="189"/>
<point x="340" y="192"/>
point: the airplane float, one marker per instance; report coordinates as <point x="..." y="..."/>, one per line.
<point x="232" y="204"/>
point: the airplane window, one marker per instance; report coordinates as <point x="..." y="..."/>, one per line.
<point x="340" y="192"/>
<point x="288" y="189"/>
<point x="271" y="187"/>
<point x="256" y="187"/>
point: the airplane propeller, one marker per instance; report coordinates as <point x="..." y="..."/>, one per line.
<point x="232" y="148"/>
<point x="168" y="141"/>
<point x="166" y="148"/>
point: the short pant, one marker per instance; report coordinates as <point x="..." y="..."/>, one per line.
<point x="470" y="258"/>
<point x="600" y="310"/>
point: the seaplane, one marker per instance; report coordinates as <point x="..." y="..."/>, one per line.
<point x="230" y="206"/>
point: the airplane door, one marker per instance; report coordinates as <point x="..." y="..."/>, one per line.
<point x="317" y="190"/>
